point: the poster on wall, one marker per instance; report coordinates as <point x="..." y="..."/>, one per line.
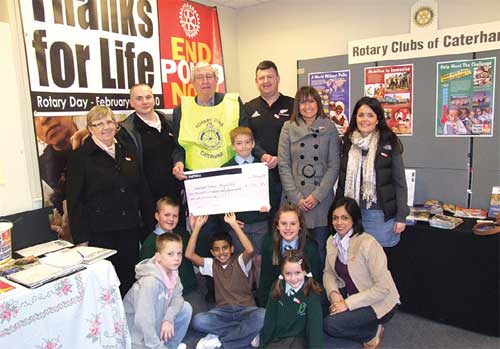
<point x="465" y="98"/>
<point x="393" y="86"/>
<point x="189" y="33"/>
<point x="334" y="87"/>
<point x="82" y="54"/>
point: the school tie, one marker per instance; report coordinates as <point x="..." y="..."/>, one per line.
<point x="288" y="247"/>
<point x="245" y="162"/>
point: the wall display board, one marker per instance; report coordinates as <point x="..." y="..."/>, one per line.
<point x="334" y="88"/>
<point x="82" y="54"/>
<point x="393" y="87"/>
<point x="465" y="103"/>
<point x="441" y="164"/>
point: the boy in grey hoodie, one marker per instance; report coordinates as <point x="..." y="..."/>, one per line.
<point x="157" y="315"/>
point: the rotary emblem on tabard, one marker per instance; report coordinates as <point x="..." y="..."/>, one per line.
<point x="210" y="137"/>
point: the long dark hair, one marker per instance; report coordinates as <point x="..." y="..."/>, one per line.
<point x="385" y="133"/>
<point x="296" y="256"/>
<point x="352" y="207"/>
<point x="303" y="93"/>
<point x="303" y="232"/>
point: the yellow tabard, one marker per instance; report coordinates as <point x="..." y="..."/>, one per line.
<point x="204" y="131"/>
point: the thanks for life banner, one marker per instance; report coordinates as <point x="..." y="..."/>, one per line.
<point x="86" y="53"/>
<point x="393" y="87"/>
<point x="465" y="98"/>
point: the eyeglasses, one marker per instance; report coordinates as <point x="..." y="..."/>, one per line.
<point x="208" y="77"/>
<point x="101" y="124"/>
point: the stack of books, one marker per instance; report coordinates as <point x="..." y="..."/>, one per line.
<point x="58" y="264"/>
<point x="445" y="222"/>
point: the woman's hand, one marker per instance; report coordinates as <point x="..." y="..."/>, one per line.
<point x="338" y="307"/>
<point x="303" y="205"/>
<point x="399" y="227"/>
<point x="310" y="201"/>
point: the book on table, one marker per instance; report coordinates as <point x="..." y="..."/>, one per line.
<point x="41" y="274"/>
<point x="60" y="263"/>
<point x="77" y="255"/>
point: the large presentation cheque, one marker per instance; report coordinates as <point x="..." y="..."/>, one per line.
<point x="227" y="189"/>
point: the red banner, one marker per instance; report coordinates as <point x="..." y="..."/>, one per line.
<point x="189" y="33"/>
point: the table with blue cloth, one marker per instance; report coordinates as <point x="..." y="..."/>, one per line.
<point x="450" y="276"/>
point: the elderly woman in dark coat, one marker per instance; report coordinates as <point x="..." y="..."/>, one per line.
<point x="108" y="198"/>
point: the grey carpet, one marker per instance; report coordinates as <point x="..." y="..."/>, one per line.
<point x="404" y="331"/>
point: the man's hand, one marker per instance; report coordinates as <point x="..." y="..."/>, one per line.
<point x="269" y="160"/>
<point x="178" y="171"/>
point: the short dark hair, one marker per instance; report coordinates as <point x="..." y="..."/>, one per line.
<point x="352" y="207"/>
<point x="264" y="65"/>
<point x="221" y="236"/>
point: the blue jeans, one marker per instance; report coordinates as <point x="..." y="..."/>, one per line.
<point x="359" y="325"/>
<point x="181" y="324"/>
<point x="321" y="234"/>
<point x="235" y="325"/>
<point x="383" y="232"/>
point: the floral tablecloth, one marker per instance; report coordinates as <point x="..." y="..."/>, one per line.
<point x="83" y="310"/>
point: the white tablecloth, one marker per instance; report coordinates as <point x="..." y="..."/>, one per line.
<point x="83" y="310"/>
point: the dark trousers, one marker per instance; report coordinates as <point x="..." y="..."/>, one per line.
<point x="359" y="325"/>
<point x="290" y="342"/>
<point x="126" y="243"/>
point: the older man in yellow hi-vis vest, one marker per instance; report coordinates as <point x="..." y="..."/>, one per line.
<point x="201" y="125"/>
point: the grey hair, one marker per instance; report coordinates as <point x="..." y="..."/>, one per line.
<point x="99" y="112"/>
<point x="201" y="65"/>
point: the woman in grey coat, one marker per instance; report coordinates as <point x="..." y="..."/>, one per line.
<point x="308" y="162"/>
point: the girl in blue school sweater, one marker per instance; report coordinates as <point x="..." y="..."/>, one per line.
<point x="293" y="313"/>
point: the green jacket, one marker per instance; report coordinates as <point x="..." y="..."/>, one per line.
<point x="186" y="271"/>
<point x="293" y="316"/>
<point x="269" y="272"/>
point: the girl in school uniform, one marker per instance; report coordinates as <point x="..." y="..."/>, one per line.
<point x="289" y="232"/>
<point x="293" y="312"/>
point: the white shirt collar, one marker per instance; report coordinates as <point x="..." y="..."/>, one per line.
<point x="155" y="123"/>
<point x="290" y="291"/>
<point x="239" y="160"/>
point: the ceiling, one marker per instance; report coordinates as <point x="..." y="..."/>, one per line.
<point x="238" y="3"/>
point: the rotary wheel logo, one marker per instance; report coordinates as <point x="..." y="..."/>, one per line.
<point x="189" y="20"/>
<point x="424" y="16"/>
<point x="210" y="138"/>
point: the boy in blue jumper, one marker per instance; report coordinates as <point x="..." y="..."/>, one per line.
<point x="255" y="224"/>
